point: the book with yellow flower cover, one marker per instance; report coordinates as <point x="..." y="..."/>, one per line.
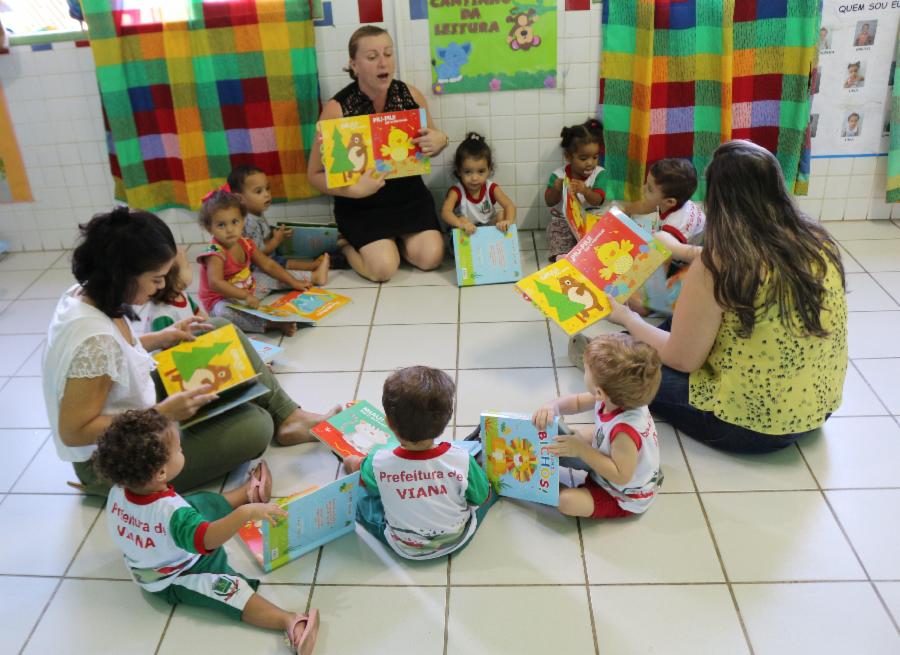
<point x="352" y="145"/>
<point x="516" y="459"/>
<point x="613" y="259"/>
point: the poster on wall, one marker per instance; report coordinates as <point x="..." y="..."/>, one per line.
<point x="492" y="45"/>
<point x="14" y="185"/>
<point x="850" y="111"/>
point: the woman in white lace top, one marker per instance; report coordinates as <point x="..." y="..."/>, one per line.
<point x="94" y="367"/>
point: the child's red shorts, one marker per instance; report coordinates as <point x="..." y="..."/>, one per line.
<point x="605" y="506"/>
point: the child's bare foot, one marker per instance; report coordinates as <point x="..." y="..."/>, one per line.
<point x="634" y="303"/>
<point x="320" y="275"/>
<point x="341" y="242"/>
<point x="289" y="329"/>
<point x="296" y="427"/>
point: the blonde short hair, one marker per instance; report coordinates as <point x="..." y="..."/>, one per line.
<point x="627" y="370"/>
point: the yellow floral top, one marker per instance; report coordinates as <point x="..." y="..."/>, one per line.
<point x="776" y="382"/>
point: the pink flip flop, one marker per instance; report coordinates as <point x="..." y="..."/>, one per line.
<point x="306" y="642"/>
<point x="256" y="492"/>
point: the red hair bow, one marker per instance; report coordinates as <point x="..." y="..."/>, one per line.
<point x="225" y="187"/>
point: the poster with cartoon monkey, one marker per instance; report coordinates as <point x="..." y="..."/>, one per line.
<point x="492" y="46"/>
<point x="354" y="144"/>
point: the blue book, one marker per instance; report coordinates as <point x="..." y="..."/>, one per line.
<point x="516" y="459"/>
<point x="315" y="517"/>
<point x="488" y="256"/>
<point x="266" y="351"/>
<point x="308" y="240"/>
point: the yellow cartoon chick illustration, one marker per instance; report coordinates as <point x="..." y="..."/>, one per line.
<point x="616" y="258"/>
<point x="398" y="146"/>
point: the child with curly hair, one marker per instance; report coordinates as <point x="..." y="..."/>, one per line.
<point x="172" y="545"/>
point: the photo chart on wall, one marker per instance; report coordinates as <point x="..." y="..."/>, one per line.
<point x="851" y="105"/>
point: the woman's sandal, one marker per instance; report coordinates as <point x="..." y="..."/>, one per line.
<point x="306" y="642"/>
<point x="256" y="491"/>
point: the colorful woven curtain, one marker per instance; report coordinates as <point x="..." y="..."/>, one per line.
<point x="893" y="173"/>
<point x="681" y="77"/>
<point x="191" y="90"/>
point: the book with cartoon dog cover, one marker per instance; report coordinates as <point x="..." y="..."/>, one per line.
<point x="215" y="358"/>
<point x="516" y="459"/>
<point x="355" y="431"/>
<point x="315" y="516"/>
<point x="614" y="258"/>
<point x="352" y="145"/>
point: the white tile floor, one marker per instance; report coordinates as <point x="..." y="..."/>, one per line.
<point x="796" y="552"/>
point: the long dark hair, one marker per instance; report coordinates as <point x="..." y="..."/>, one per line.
<point x="754" y="231"/>
<point x="115" y="249"/>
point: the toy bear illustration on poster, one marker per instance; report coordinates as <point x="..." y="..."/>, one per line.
<point x="492" y="47"/>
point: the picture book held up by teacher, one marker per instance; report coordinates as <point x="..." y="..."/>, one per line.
<point x="216" y="358"/>
<point x="516" y="459"/>
<point x="488" y="256"/>
<point x="307" y="306"/>
<point x="614" y="258"/>
<point x="315" y="516"/>
<point x="352" y="145"/>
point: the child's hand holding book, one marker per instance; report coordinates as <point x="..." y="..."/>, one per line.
<point x="270" y="512"/>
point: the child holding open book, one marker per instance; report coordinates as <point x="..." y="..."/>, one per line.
<point x="425" y="500"/>
<point x="173" y="545"/>
<point x="621" y="453"/>
<point x="172" y="303"/>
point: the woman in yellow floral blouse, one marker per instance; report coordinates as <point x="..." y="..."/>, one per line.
<point x="757" y="351"/>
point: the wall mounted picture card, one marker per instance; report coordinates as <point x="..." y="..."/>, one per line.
<point x="492" y="46"/>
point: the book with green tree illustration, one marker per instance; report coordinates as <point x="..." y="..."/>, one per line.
<point x="315" y="516"/>
<point x="613" y="259"/>
<point x="516" y="459"/>
<point x="488" y="256"/>
<point x="216" y="358"/>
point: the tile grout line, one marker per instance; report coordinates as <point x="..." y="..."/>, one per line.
<point x="25" y="468"/>
<point x="587" y="588"/>
<point x="447" y="602"/>
<point x="715" y="543"/>
<point x="371" y="326"/>
<point x="849" y="541"/>
<point x="875" y="393"/>
<point x="162" y="636"/>
<point x="62" y="579"/>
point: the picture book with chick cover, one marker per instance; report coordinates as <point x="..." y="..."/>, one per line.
<point x="352" y="145"/>
<point x="613" y="259"/>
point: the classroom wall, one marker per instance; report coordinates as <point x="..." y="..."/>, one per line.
<point x="55" y="108"/>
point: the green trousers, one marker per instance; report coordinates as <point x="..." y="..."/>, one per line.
<point x="218" y="445"/>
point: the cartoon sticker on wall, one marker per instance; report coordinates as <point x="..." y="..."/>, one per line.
<point x="493" y="47"/>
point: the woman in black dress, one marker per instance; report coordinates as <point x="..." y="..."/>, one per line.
<point x="374" y="213"/>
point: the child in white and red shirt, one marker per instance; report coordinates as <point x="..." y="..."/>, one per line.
<point x="425" y="500"/>
<point x="476" y="200"/>
<point x="172" y="545"/>
<point x="621" y="453"/>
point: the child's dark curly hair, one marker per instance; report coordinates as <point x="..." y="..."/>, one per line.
<point x="217" y="201"/>
<point x="238" y="176"/>
<point x="132" y="449"/>
<point x="473" y="147"/>
<point x="573" y="138"/>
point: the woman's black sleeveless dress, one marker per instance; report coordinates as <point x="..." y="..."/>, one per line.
<point x="403" y="205"/>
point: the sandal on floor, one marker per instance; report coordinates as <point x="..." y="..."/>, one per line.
<point x="256" y="492"/>
<point x="306" y="642"/>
